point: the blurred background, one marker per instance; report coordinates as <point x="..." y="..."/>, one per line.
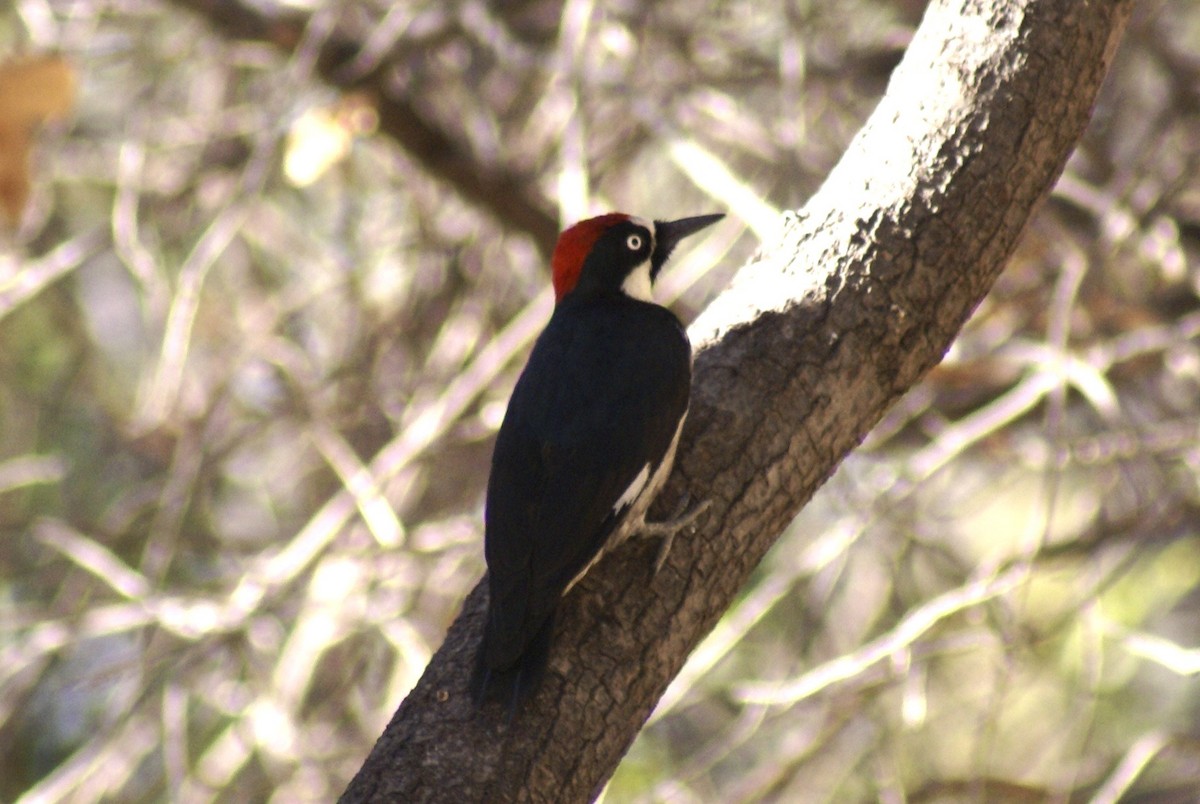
<point x="268" y="272"/>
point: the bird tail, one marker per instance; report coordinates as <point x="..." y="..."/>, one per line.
<point x="513" y="684"/>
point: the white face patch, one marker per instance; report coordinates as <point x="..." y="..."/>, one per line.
<point x="645" y="224"/>
<point x="638" y="285"/>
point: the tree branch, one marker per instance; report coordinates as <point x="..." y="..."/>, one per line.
<point x="512" y="199"/>
<point x="859" y="295"/>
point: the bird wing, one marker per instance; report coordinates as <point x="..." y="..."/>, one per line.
<point x="562" y="460"/>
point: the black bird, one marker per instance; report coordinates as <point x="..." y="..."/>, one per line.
<point x="588" y="439"/>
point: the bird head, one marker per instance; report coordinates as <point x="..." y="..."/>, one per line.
<point x="618" y="253"/>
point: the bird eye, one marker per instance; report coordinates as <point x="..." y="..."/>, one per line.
<point x="634" y="242"/>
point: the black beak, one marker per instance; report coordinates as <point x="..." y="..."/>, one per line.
<point x="667" y="235"/>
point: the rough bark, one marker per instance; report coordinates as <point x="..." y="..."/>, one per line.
<point x="858" y="296"/>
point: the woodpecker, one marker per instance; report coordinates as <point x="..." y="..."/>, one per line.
<point x="588" y="438"/>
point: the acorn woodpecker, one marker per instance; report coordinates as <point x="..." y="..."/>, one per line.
<point x="588" y="439"/>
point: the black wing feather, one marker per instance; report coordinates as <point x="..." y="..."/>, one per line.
<point x="561" y="462"/>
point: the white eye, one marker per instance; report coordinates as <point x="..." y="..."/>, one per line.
<point x="634" y="242"/>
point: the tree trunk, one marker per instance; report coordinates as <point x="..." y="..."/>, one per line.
<point x="857" y="297"/>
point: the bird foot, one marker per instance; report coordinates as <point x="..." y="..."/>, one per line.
<point x="684" y="517"/>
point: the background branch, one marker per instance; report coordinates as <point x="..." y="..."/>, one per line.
<point x="344" y="61"/>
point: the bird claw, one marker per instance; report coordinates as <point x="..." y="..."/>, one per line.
<point x="683" y="517"/>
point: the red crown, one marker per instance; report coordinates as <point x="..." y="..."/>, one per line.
<point x="573" y="247"/>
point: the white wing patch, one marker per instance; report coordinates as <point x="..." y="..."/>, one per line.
<point x="635" y="488"/>
<point x="639" y="495"/>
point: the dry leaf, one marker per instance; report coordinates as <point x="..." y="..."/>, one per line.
<point x="322" y="136"/>
<point x="32" y="90"/>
